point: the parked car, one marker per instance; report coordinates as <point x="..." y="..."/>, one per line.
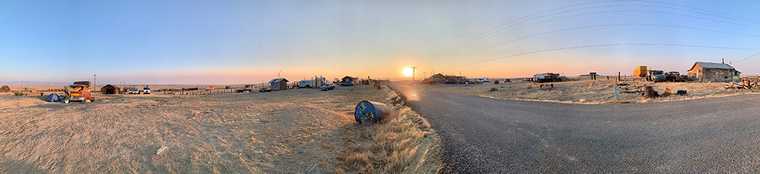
<point x="133" y="91"/>
<point x="146" y="90"/>
<point x="305" y="84"/>
<point x="327" y="87"/>
<point x="246" y="90"/>
<point x="482" y="80"/>
<point x="657" y="76"/>
<point x="675" y="76"/>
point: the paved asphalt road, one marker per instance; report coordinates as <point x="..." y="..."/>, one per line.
<point x="482" y="135"/>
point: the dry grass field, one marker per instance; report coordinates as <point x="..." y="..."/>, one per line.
<point x="591" y="91"/>
<point x="293" y="131"/>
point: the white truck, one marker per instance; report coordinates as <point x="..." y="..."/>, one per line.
<point x="146" y="90"/>
<point x="133" y="90"/>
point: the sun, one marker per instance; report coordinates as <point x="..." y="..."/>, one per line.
<point x="408" y="72"/>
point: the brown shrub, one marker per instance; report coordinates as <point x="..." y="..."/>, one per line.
<point x="5" y="88"/>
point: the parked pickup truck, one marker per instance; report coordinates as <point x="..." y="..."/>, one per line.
<point x="133" y="91"/>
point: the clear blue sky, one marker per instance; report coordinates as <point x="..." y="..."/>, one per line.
<point x="186" y="41"/>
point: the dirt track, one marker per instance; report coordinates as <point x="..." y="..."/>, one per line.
<point x="287" y="131"/>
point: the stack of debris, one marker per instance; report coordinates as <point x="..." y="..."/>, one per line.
<point x="628" y="88"/>
<point x="744" y="84"/>
<point x="649" y="92"/>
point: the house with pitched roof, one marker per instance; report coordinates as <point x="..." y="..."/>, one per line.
<point x="713" y="72"/>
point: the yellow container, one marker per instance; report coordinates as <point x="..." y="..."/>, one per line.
<point x="640" y="71"/>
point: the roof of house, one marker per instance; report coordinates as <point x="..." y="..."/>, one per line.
<point x="278" y="80"/>
<point x="709" y="65"/>
<point x="547" y="74"/>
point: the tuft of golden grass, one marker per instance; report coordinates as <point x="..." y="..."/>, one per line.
<point x="402" y="143"/>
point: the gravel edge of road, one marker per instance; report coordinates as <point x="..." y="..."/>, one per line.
<point x="428" y="156"/>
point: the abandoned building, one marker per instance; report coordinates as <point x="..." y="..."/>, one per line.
<point x="278" y="84"/>
<point x="546" y="77"/>
<point x="445" y="79"/>
<point x="110" y="89"/>
<point x="713" y="72"/>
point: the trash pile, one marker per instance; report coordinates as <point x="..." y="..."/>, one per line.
<point x="744" y="84"/>
<point x="650" y="92"/>
<point x="647" y="91"/>
<point x="54" y="98"/>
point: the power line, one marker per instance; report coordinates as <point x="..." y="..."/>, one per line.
<point x="523" y="37"/>
<point x="597" y="5"/>
<point x="607" y="45"/>
<point x="490" y="35"/>
<point x="747" y="57"/>
<point x="586" y="27"/>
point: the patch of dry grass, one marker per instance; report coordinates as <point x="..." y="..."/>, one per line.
<point x="293" y="131"/>
<point x="591" y="91"/>
<point x="402" y="143"/>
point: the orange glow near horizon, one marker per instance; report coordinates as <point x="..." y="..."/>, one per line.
<point x="408" y="72"/>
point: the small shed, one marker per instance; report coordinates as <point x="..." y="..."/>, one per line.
<point x="713" y="72"/>
<point x="110" y="89"/>
<point x="278" y="84"/>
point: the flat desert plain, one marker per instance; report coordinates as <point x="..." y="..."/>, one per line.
<point x="293" y="131"/>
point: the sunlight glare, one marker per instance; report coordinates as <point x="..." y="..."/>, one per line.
<point x="408" y="71"/>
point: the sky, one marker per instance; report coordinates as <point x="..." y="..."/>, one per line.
<point x="248" y="41"/>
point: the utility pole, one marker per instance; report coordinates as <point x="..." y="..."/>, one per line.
<point x="414" y="69"/>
